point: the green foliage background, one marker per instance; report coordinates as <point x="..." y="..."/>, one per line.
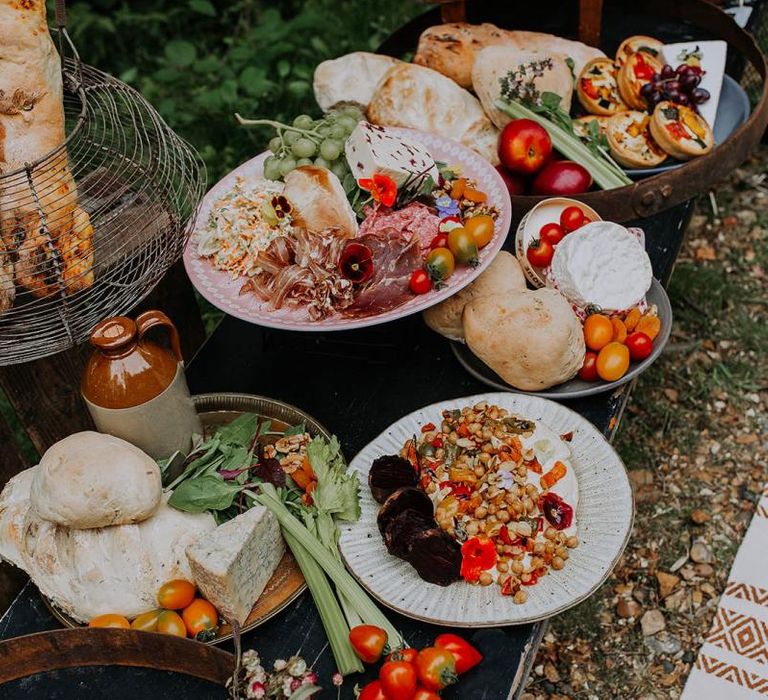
<point x="200" y="61"/>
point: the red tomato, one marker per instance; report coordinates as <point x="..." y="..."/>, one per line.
<point x="408" y="654"/>
<point x="465" y="654"/>
<point x="588" y="371"/>
<point x="436" y="668"/>
<point x="420" y="282"/>
<point x="424" y="694"/>
<point x="524" y="146"/>
<point x="368" y="641"/>
<point x="552" y="233"/>
<point x="439" y="241"/>
<point x="372" y="691"/>
<point x="572" y="218"/>
<point x="540" y="253"/>
<point x="398" y="680"/>
<point x="640" y="345"/>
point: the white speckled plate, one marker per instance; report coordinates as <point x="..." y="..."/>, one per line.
<point x="604" y="516"/>
<point x="222" y="291"/>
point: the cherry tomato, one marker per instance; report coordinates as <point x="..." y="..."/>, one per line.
<point x="424" y="694"/>
<point x="639" y="344"/>
<point x="408" y="654"/>
<point x="572" y="218"/>
<point x="372" y="691"/>
<point x="420" y="282"/>
<point x="368" y="642"/>
<point x="613" y="362"/>
<point x="481" y="227"/>
<point x="176" y="594"/>
<point x="448" y="223"/>
<point x="201" y="619"/>
<point x="552" y="233"/>
<point x="110" y="620"/>
<point x="398" y="680"/>
<point x="436" y="668"/>
<point x="170" y="622"/>
<point x="462" y="244"/>
<point x="440" y="265"/>
<point x="465" y="654"/>
<point x="439" y="241"/>
<point x="146" y="622"/>
<point x="540" y="253"/>
<point x="588" y="371"/>
<point x="598" y="331"/>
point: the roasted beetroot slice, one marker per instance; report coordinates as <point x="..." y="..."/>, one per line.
<point x="389" y="473"/>
<point x="436" y="556"/>
<point x="403" y="499"/>
<point x="403" y="528"/>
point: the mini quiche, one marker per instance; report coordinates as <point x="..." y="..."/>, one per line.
<point x="581" y="124"/>
<point x="637" y="70"/>
<point x="680" y="131"/>
<point x="633" y="44"/>
<point x="631" y="142"/>
<point x="597" y="88"/>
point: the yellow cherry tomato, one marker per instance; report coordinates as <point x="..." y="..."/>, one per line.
<point x="200" y="616"/>
<point x="146" y="622"/>
<point x="110" y="620"/>
<point x="170" y="622"/>
<point x="462" y="244"/>
<point x="613" y="361"/>
<point x="481" y="228"/>
<point x="440" y="265"/>
<point x="598" y="331"/>
<point x="176" y="594"/>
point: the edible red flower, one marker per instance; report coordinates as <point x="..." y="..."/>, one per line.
<point x="356" y="262"/>
<point x="382" y="188"/>
<point x="557" y="512"/>
<point x="477" y="555"/>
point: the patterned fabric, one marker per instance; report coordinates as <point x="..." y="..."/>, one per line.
<point x="733" y="661"/>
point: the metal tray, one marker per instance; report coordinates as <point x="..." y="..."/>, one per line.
<point x="577" y="388"/>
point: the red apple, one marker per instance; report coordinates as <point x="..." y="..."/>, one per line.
<point x="515" y="183"/>
<point x="562" y="177"/>
<point x="524" y="146"/>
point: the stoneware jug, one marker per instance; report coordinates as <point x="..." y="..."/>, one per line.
<point x="136" y="390"/>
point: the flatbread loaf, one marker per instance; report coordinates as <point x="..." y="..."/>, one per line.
<point x="31" y="126"/>
<point x="420" y="98"/>
<point x="319" y="200"/>
<point x="350" y="78"/>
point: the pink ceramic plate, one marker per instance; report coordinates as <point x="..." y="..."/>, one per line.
<point x="224" y="292"/>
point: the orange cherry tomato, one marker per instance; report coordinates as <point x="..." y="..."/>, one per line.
<point x="200" y="617"/>
<point x="146" y="622"/>
<point x="613" y="362"/>
<point x="170" y="622"/>
<point x="619" y="330"/>
<point x="110" y="620"/>
<point x="481" y="228"/>
<point x="598" y="331"/>
<point x="368" y="642"/>
<point x="176" y="594"/>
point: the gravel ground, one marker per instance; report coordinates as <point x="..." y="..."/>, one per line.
<point x="694" y="441"/>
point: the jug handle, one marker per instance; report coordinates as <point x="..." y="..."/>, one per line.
<point x="153" y="318"/>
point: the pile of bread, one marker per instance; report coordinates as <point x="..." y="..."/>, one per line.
<point x="92" y="528"/>
<point x="453" y="82"/>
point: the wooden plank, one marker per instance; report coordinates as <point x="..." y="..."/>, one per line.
<point x="590" y="21"/>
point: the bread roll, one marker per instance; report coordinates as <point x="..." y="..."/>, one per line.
<point x="90" y="480"/>
<point x="532" y="340"/>
<point x="419" y="98"/>
<point x="31" y="126"/>
<point x="319" y="200"/>
<point x="494" y="62"/>
<point x="502" y="278"/>
<point x="350" y="78"/>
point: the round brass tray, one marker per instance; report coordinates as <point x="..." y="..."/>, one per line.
<point x="287" y="583"/>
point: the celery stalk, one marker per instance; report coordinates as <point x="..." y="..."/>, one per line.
<point x="328" y="607"/>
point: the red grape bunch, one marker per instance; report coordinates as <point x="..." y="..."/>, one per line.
<point x="680" y="85"/>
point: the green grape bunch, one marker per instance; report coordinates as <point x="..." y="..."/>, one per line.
<point x="309" y="141"/>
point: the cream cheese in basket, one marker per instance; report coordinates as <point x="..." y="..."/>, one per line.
<point x="602" y="264"/>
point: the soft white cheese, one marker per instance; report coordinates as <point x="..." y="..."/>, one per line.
<point x="375" y="149"/>
<point x="232" y="565"/>
<point x="602" y="264"/>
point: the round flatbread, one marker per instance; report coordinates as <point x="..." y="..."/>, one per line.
<point x="636" y="71"/>
<point x="633" y="44"/>
<point x="680" y="131"/>
<point x="597" y="88"/>
<point x="630" y="140"/>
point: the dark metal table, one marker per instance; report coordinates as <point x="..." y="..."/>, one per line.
<point x="357" y="383"/>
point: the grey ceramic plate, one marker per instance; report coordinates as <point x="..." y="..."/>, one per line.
<point x="732" y="111"/>
<point x="576" y="388"/>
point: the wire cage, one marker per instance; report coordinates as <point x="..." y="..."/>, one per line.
<point x="88" y="230"/>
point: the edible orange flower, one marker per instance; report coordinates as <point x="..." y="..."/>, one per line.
<point x="382" y="188"/>
<point x="477" y="555"/>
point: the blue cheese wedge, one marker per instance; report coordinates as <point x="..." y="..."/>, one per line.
<point x="372" y="149"/>
<point x="232" y="564"/>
